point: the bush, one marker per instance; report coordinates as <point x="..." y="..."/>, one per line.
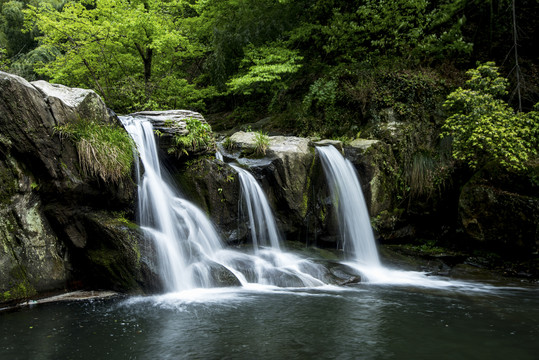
<point x="483" y="126"/>
<point x="199" y="136"/>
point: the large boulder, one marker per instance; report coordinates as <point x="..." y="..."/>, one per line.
<point x="284" y="172"/>
<point x="71" y="104"/>
<point x="32" y="259"/>
<point x="46" y="201"/>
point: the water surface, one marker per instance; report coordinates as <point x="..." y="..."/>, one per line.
<point x="361" y="322"/>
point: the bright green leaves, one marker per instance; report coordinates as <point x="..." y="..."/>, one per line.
<point x="125" y="50"/>
<point x="199" y="137"/>
<point x="262" y="65"/>
<point x="486" y="79"/>
<point x="484" y="128"/>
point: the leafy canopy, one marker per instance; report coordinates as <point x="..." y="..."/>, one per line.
<point x="129" y="51"/>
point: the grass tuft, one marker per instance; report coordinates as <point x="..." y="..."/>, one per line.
<point x="105" y="151"/>
<point x="261" y="143"/>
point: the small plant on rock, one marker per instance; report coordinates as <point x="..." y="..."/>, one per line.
<point x="261" y="143"/>
<point x="199" y="136"/>
<point x="105" y="151"/>
<point x="229" y="144"/>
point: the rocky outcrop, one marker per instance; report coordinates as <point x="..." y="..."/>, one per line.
<point x="293" y="180"/>
<point x="169" y="124"/>
<point x="284" y="172"/>
<point x="214" y="187"/>
<point x="71" y="104"/>
<point x="500" y="211"/>
<point x="46" y="202"/>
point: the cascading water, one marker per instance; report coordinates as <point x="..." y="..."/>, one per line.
<point x="272" y="266"/>
<point x="261" y="221"/>
<point x="191" y="254"/>
<point x="184" y="237"/>
<point x="354" y="223"/>
<point x="189" y="249"/>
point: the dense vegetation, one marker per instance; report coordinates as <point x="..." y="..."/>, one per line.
<point x="450" y="85"/>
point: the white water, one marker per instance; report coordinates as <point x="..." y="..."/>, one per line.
<point x="261" y="221"/>
<point x="354" y="222"/>
<point x="188" y="246"/>
<point x="184" y="237"/>
<point x="190" y="250"/>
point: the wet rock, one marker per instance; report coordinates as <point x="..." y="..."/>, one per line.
<point x="284" y="173"/>
<point x="46" y="203"/>
<point x="31" y="257"/>
<point x="335" y="143"/>
<point x="214" y="187"/>
<point x="500" y="211"/>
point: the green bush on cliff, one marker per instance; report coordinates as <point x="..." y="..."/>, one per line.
<point x="484" y="127"/>
<point x="199" y="136"/>
<point x="105" y="150"/>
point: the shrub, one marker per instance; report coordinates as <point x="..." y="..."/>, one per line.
<point x="483" y="127"/>
<point x="199" y="136"/>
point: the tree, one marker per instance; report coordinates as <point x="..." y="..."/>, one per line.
<point x="130" y="52"/>
<point x="483" y="126"/>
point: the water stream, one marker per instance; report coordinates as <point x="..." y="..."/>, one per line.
<point x="261" y="220"/>
<point x="190" y="252"/>
<point x="354" y="221"/>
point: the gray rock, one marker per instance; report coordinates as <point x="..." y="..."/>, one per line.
<point x="284" y="173"/>
<point x="171" y="123"/>
<point x="363" y="144"/>
<point x="46" y="205"/>
<point x="335" y="143"/>
<point x="70" y="104"/>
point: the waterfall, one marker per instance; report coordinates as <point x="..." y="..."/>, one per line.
<point x="354" y="222"/>
<point x="189" y="251"/>
<point x="261" y="221"/>
<point x="185" y="239"/>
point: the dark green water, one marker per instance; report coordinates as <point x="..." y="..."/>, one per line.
<point x="365" y="322"/>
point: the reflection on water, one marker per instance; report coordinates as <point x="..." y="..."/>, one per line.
<point x="363" y="322"/>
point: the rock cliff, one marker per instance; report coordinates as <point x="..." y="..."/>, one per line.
<point x="54" y="218"/>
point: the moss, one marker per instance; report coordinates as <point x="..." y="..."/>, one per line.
<point x="20" y="286"/>
<point x="307" y="191"/>
<point x="120" y="217"/>
<point x="8" y="184"/>
<point x="112" y="268"/>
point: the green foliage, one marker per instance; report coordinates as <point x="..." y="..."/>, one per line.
<point x="265" y="64"/>
<point x="130" y="52"/>
<point x="200" y="136"/>
<point x="105" y="151"/>
<point x="4" y="61"/>
<point x="484" y="128"/>
<point x="261" y="143"/>
<point x="229" y="144"/>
